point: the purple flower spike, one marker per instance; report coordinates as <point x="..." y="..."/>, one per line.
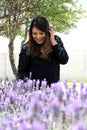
<point x="76" y="105"/>
<point x="24" y="126"/>
<point x="85" y="107"/>
<point x="30" y="84"/>
<point x="81" y="85"/>
<point x="46" y="112"/>
<point x="82" y="95"/>
<point x="0" y="85"/>
<point x="67" y="94"/>
<point x="56" y="108"/>
<point x="43" y="84"/>
<point x="0" y="80"/>
<point x="58" y="91"/>
<point x="86" y="90"/>
<point x="69" y="112"/>
<point x="76" y="108"/>
<point x="37" y="84"/>
<point x="65" y="83"/>
<point x="79" y="126"/>
<point x="74" y="84"/>
<point x="37" y="125"/>
<point x="19" y="84"/>
<point x="6" y="78"/>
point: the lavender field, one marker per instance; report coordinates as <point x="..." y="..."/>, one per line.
<point x="31" y="106"/>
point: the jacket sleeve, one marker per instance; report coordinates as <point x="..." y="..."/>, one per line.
<point x="23" y="65"/>
<point x="60" y="52"/>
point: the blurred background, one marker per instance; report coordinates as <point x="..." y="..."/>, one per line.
<point x="75" y="43"/>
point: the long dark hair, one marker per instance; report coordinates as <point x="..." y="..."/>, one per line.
<point x="43" y="51"/>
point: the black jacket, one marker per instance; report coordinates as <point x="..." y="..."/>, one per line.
<point x="42" y="69"/>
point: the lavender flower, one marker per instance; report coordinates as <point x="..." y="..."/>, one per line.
<point x="46" y="112"/>
<point x="76" y="108"/>
<point x="23" y="106"/>
<point x="0" y="80"/>
<point x="24" y="126"/>
<point x="81" y="85"/>
<point x="59" y="91"/>
<point x="37" y="84"/>
<point x="19" y="84"/>
<point x="79" y="126"/>
<point x="38" y="125"/>
<point x="56" y="108"/>
<point x="66" y="83"/>
<point x="29" y="84"/>
<point x="43" y="84"/>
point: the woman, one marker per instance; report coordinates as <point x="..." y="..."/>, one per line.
<point x="42" y="54"/>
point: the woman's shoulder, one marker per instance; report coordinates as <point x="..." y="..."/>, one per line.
<point x="58" y="39"/>
<point x="24" y="46"/>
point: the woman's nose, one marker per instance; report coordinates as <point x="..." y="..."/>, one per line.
<point x="38" y="36"/>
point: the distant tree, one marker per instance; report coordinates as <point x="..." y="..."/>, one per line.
<point x="15" y="16"/>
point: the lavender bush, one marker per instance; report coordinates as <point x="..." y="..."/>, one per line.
<point x="33" y="106"/>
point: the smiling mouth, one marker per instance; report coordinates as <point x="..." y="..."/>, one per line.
<point x="39" y="40"/>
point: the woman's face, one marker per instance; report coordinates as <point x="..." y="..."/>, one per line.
<point x="38" y="35"/>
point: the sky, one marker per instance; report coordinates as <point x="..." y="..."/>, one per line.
<point x="75" y="40"/>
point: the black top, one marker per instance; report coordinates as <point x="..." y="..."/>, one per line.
<point x="42" y="69"/>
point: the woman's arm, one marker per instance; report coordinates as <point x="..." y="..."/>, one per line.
<point x="58" y="48"/>
<point x="59" y="51"/>
<point x="23" y="66"/>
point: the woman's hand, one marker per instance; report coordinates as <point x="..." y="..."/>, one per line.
<point x="51" y="30"/>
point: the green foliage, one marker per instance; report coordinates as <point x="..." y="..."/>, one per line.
<point x="62" y="14"/>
